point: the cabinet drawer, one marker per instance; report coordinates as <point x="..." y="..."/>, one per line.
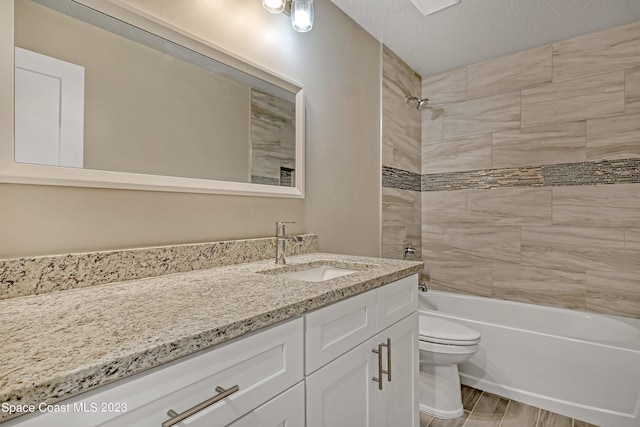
<point x="262" y="364"/>
<point x="284" y="410"/>
<point x="333" y="330"/>
<point x="396" y="301"/>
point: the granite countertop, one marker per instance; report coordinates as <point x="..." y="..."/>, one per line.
<point x="57" y="345"/>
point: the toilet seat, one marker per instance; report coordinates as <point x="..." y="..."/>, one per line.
<point x="441" y="331"/>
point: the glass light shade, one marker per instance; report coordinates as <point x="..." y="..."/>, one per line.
<point x="302" y="15"/>
<point x="274" y="6"/>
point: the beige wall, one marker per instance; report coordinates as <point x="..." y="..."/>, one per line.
<point x="337" y="63"/>
<point x="573" y="102"/>
<point x="401" y="208"/>
<point x="145" y="111"/>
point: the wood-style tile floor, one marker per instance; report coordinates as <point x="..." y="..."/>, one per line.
<point x="482" y="409"/>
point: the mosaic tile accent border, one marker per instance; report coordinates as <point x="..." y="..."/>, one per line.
<point x="622" y="171"/>
<point x="400" y="179"/>
<point x="39" y="275"/>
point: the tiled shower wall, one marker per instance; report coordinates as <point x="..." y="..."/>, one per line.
<point x="531" y="175"/>
<point x="401" y="206"/>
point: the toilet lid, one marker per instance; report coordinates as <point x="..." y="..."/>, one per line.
<point x="441" y="331"/>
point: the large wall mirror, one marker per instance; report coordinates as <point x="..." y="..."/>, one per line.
<point x="107" y="96"/>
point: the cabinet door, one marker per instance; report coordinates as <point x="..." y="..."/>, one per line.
<point x="343" y="393"/>
<point x="285" y="410"/>
<point x="399" y="406"/>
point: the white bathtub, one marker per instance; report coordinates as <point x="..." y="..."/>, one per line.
<point x="582" y="365"/>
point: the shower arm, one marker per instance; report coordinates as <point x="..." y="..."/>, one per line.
<point x="419" y="101"/>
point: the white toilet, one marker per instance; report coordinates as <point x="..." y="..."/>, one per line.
<point x="443" y="344"/>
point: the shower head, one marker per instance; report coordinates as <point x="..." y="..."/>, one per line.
<point x="420" y="102"/>
<point x="424" y="103"/>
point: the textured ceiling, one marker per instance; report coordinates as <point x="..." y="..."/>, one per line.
<point x="476" y="30"/>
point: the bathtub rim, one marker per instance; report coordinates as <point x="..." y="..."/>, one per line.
<point x="629" y="345"/>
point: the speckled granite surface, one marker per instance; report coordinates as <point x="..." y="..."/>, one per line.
<point x="39" y="275"/>
<point x="59" y="344"/>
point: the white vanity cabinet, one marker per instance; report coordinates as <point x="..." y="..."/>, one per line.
<point x="353" y="363"/>
<point x="262" y="365"/>
<point x="373" y="380"/>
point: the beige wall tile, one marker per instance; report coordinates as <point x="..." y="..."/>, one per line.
<point x="460" y="154"/>
<point x="431" y="127"/>
<point x="533" y="285"/>
<point x="392" y="237"/>
<point x="613" y="293"/>
<point x="575" y="249"/>
<point x="444" y="207"/>
<point x="612" y="49"/>
<point x="481" y="243"/>
<point x="398" y="77"/>
<point x="445" y="88"/>
<point x="613" y="137"/>
<point x="401" y="127"/>
<point x="460" y="277"/>
<point x="398" y="196"/>
<point x="632" y="250"/>
<point x="401" y="141"/>
<point x="510" y="206"/>
<point x="509" y="73"/>
<point x="632" y="90"/>
<point x="597" y="205"/>
<point x="588" y="97"/>
<point x="413" y="233"/>
<point x="431" y="243"/>
<point x="387" y="153"/>
<point x="401" y="218"/>
<point x="540" y="145"/>
<point x="479" y="116"/>
<point x="401" y="207"/>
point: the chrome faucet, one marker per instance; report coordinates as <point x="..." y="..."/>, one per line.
<point x="408" y="249"/>
<point x="281" y="238"/>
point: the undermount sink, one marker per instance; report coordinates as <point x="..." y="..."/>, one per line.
<point x="316" y="271"/>
<point x="318" y="274"/>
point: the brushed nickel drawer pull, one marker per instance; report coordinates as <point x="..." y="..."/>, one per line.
<point x="380" y="371"/>
<point x="176" y="418"/>
<point x="388" y="371"/>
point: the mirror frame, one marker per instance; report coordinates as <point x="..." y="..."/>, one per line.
<point x="18" y="173"/>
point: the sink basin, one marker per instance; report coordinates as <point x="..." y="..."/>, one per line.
<point x="317" y="271"/>
<point x="318" y="274"/>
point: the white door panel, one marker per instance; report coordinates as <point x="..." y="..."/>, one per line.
<point x="49" y="110"/>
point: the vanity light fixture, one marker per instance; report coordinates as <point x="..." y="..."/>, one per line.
<point x="302" y="15"/>
<point x="274" y="6"/>
<point x="301" y="12"/>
